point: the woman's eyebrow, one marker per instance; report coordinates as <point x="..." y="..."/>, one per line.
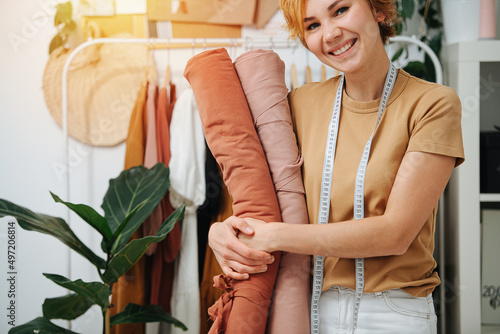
<point x="332" y="5"/>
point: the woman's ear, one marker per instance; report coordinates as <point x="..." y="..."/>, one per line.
<point x="379" y="17"/>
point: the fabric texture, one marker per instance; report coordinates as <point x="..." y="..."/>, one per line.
<point x="130" y="287"/>
<point x="262" y="73"/>
<point x="392" y="311"/>
<point x="420" y="116"/>
<point x="187" y="185"/>
<point x="231" y="136"/>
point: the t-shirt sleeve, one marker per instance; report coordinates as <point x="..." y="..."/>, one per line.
<point x="436" y="125"/>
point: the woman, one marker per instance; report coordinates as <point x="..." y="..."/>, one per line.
<point x="393" y="141"/>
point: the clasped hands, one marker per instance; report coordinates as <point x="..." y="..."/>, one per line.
<point x="241" y="246"/>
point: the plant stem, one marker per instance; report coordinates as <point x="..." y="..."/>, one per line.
<point x="424" y="17"/>
<point x="106" y="327"/>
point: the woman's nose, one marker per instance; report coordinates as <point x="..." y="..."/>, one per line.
<point x="331" y="32"/>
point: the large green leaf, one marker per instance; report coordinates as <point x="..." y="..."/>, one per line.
<point x="133" y="313"/>
<point x="95" y="292"/>
<point x="67" y="307"/>
<point x="112" y="245"/>
<point x="415" y="68"/>
<point x="407" y="8"/>
<point x="39" y="325"/>
<point x="53" y="226"/>
<point x="397" y="54"/>
<point x="89" y="215"/>
<point x="131" y="188"/>
<point x="136" y="248"/>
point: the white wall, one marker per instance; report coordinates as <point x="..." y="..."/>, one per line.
<point x="30" y="142"/>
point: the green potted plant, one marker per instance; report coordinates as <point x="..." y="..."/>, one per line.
<point x="130" y="198"/>
<point x="430" y="32"/>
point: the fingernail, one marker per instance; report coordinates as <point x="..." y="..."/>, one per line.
<point x="249" y="230"/>
<point x="271" y="260"/>
<point x="245" y="276"/>
<point x="263" y="268"/>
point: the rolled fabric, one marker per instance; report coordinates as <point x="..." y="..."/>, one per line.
<point x="231" y="136"/>
<point x="262" y="77"/>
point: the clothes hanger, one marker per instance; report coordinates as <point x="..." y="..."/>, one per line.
<point x="151" y="64"/>
<point x="308" y="78"/>
<point x="234" y="49"/>
<point x="167" y="71"/>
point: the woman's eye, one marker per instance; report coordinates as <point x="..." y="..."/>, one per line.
<point x="312" y="26"/>
<point x="341" y="11"/>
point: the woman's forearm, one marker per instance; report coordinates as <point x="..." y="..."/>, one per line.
<point x="369" y="237"/>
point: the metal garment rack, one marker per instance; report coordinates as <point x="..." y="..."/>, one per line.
<point x="248" y="44"/>
<point x="158" y="43"/>
<point x="154" y="44"/>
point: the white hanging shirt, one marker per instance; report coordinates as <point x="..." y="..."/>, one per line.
<point x="187" y="185"/>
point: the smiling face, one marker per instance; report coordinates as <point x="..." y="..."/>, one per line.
<point x="344" y="34"/>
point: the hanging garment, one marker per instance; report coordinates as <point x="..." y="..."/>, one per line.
<point x="208" y="293"/>
<point x="187" y="185"/>
<point x="130" y="287"/>
<point x="162" y="263"/>
<point x="262" y="73"/>
<point x="232" y="139"/>
<point x="154" y="220"/>
<point x="210" y="208"/>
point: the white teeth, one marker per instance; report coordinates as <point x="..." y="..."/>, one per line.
<point x="343" y="49"/>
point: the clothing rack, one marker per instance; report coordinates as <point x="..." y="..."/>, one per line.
<point x="184" y="43"/>
<point x="247" y="43"/>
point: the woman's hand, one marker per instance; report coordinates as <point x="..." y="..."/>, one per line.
<point x="261" y="238"/>
<point x="236" y="259"/>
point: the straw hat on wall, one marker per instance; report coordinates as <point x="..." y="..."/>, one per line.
<point x="103" y="83"/>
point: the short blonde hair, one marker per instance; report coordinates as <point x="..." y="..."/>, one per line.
<point x="295" y="11"/>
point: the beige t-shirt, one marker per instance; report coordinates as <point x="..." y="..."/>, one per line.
<point x="420" y="116"/>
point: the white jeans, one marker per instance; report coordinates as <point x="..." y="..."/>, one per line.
<point x="392" y="311"/>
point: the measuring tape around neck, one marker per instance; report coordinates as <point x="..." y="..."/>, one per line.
<point x="326" y="184"/>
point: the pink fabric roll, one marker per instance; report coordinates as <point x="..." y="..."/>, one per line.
<point x="262" y="76"/>
<point x="232" y="138"/>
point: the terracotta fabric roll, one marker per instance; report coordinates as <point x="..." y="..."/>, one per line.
<point x="262" y="77"/>
<point x="232" y="138"/>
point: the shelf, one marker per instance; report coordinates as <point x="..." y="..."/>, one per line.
<point x="489" y="197"/>
<point x="490" y="329"/>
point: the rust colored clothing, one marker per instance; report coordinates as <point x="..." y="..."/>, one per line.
<point x="162" y="263"/>
<point x="130" y="287"/>
<point x="232" y="138"/>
